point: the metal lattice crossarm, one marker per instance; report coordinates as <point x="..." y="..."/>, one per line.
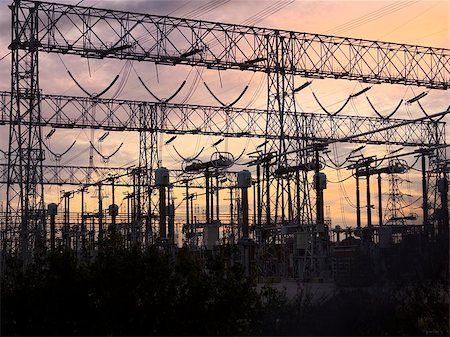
<point x="72" y="175"/>
<point x="102" y="33"/>
<point x="79" y="175"/>
<point x="124" y="115"/>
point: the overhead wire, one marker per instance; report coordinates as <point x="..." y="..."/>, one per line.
<point x="332" y="113"/>
<point x="341" y="186"/>
<point x="197" y="12"/>
<point x="268" y="11"/>
<point x="340" y="181"/>
<point x="428" y="35"/>
<point x="124" y="79"/>
<point x="5" y="55"/>
<point x="408" y="21"/>
<point x="388" y="115"/>
<point x="372" y="16"/>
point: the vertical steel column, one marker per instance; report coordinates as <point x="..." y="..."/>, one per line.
<point x="162" y="213"/>
<point x="443" y="223"/>
<point x="150" y="119"/>
<point x="52" y="232"/>
<point x="208" y="220"/>
<point x="258" y="195"/>
<point x="100" y="212"/>
<point x="233" y="237"/>
<point x="212" y="198"/>
<point x="319" y="192"/>
<point x="244" y="209"/>
<point x="217" y="197"/>
<point x="25" y="191"/>
<point x="369" y="210"/>
<point x="425" y="198"/>
<point x="83" y="219"/>
<point x="358" y="207"/>
<point x="380" y="201"/>
<point x="113" y="201"/>
<point x="188" y="228"/>
<point x="254" y="203"/>
<point x="267" y="174"/>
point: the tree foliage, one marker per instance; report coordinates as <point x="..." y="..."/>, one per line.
<point x="155" y="292"/>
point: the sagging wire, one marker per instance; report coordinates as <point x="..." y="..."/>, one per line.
<point x="79" y="153"/>
<point x="223" y="104"/>
<point x="84" y="90"/>
<point x="257" y="92"/>
<point x="194" y="84"/>
<point x="270" y="10"/>
<point x="417" y="99"/>
<point x="391" y="113"/>
<point x="58" y="156"/>
<point x="412" y="203"/>
<point x="340" y="181"/>
<point x="331" y="113"/>
<point x="349" y="98"/>
<point x="336" y="164"/>
<point x="427" y="115"/>
<point x="189" y="159"/>
<point x="124" y="80"/>
<point x="379" y="114"/>
<point x="341" y="186"/>
<point x="105" y="158"/>
<point x="411" y="167"/>
<point x="174" y="159"/>
<point x="156" y="97"/>
<point x="344" y="220"/>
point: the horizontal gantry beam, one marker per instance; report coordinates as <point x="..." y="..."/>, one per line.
<point x="90" y="176"/>
<point x="102" y="33"/>
<point x="75" y="175"/>
<point x="124" y="115"/>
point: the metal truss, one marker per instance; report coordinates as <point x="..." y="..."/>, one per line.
<point x="282" y="55"/>
<point x="103" y="33"/>
<point x="123" y="115"/>
<point x="25" y="200"/>
<point x="78" y="175"/>
<point x="74" y="175"/>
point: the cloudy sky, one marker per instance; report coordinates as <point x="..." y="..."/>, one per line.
<point x="414" y="22"/>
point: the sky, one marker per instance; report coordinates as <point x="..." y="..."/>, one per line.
<point x="423" y="23"/>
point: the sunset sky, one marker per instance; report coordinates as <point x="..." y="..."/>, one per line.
<point x="424" y="23"/>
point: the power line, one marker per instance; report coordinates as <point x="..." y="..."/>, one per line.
<point x="372" y="16"/>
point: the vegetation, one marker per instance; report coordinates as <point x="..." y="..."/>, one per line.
<point x="152" y="292"/>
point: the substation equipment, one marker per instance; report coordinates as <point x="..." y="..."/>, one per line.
<point x="288" y="234"/>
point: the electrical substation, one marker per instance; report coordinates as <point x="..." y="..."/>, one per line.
<point x="269" y="201"/>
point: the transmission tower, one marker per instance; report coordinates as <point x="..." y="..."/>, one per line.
<point x="394" y="214"/>
<point x="25" y="199"/>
